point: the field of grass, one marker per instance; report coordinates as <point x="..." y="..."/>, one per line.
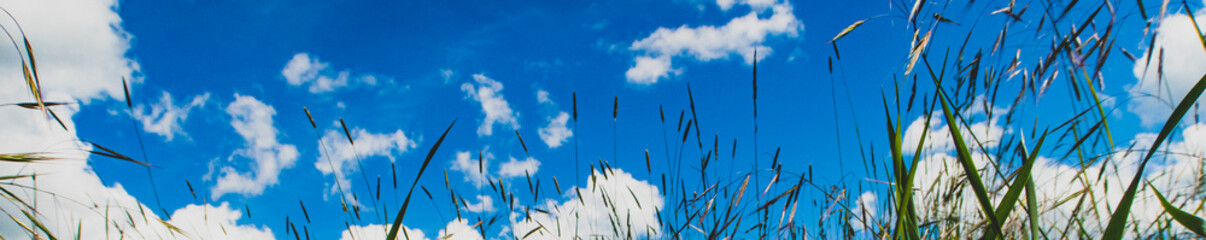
<point x="961" y="158"/>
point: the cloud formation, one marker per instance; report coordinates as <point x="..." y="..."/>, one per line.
<point x="517" y="168"/>
<point x="252" y="120"/>
<point x="165" y="118"/>
<point x="378" y="231"/>
<point x="304" y="69"/>
<point x="81" y="51"/>
<point x="339" y="156"/>
<point x="488" y="93"/>
<point x="556" y="133"/>
<point x="1178" y="54"/>
<point x="636" y="201"/>
<point x="459" y="229"/>
<point x="485" y="204"/>
<point x="740" y="36"/>
<point x="475" y="170"/>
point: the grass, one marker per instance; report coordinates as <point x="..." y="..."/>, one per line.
<point x="987" y="190"/>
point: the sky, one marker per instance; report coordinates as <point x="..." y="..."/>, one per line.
<point x="217" y="91"/>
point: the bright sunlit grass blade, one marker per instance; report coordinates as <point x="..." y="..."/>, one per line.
<point x="969" y="167"/>
<point x="1118" y="220"/>
<point x="1187" y="220"/>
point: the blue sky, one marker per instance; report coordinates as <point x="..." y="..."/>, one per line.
<point x="219" y="87"/>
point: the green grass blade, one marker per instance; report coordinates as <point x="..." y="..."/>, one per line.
<point x="965" y="159"/>
<point x="1015" y="190"/>
<point x="1118" y="219"/>
<point x="393" y="230"/>
<point x="906" y="223"/>
<point x="1189" y="221"/>
<point x="1032" y="209"/>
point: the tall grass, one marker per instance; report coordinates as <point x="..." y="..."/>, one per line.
<point x="978" y="195"/>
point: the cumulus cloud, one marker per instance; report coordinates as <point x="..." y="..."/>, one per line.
<point x="81" y="201"/>
<point x="517" y="168"/>
<point x="864" y="211"/>
<point x="1178" y="54"/>
<point x="475" y="170"/>
<point x="165" y="118"/>
<point x="252" y="120"/>
<point x="81" y="48"/>
<point x="304" y="69"/>
<point x="488" y="93"/>
<point x="339" y="155"/>
<point x="938" y="136"/>
<point x="216" y="222"/>
<point x="740" y="36"/>
<point x="591" y="216"/>
<point x="647" y="70"/>
<point x="556" y="133"/>
<point x="484" y="204"/>
<point x="378" y="231"/>
<point x="459" y="229"/>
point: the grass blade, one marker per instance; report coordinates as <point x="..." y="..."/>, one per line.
<point x="1118" y="219"/>
<point x="1015" y="190"/>
<point x="1189" y="221"/>
<point x="393" y="230"/>
<point x="965" y="159"/>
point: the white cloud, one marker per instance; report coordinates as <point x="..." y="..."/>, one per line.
<point x="556" y="133"/>
<point x="447" y="74"/>
<point x="216" y="222"/>
<point x="1179" y="55"/>
<point x="475" y="171"/>
<point x="165" y="118"/>
<point x="81" y="201"/>
<point x="80" y="47"/>
<point x="517" y="168"/>
<point x="647" y="70"/>
<point x="725" y="5"/>
<point x="459" y="229"/>
<point x="542" y="96"/>
<point x="378" y="231"/>
<point x="740" y="36"/>
<point x="485" y="204"/>
<point x="339" y="156"/>
<point x="864" y="208"/>
<point x="594" y="217"/>
<point x="488" y="92"/>
<point x="938" y="137"/>
<point x="304" y="69"/>
<point x="252" y="119"/>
